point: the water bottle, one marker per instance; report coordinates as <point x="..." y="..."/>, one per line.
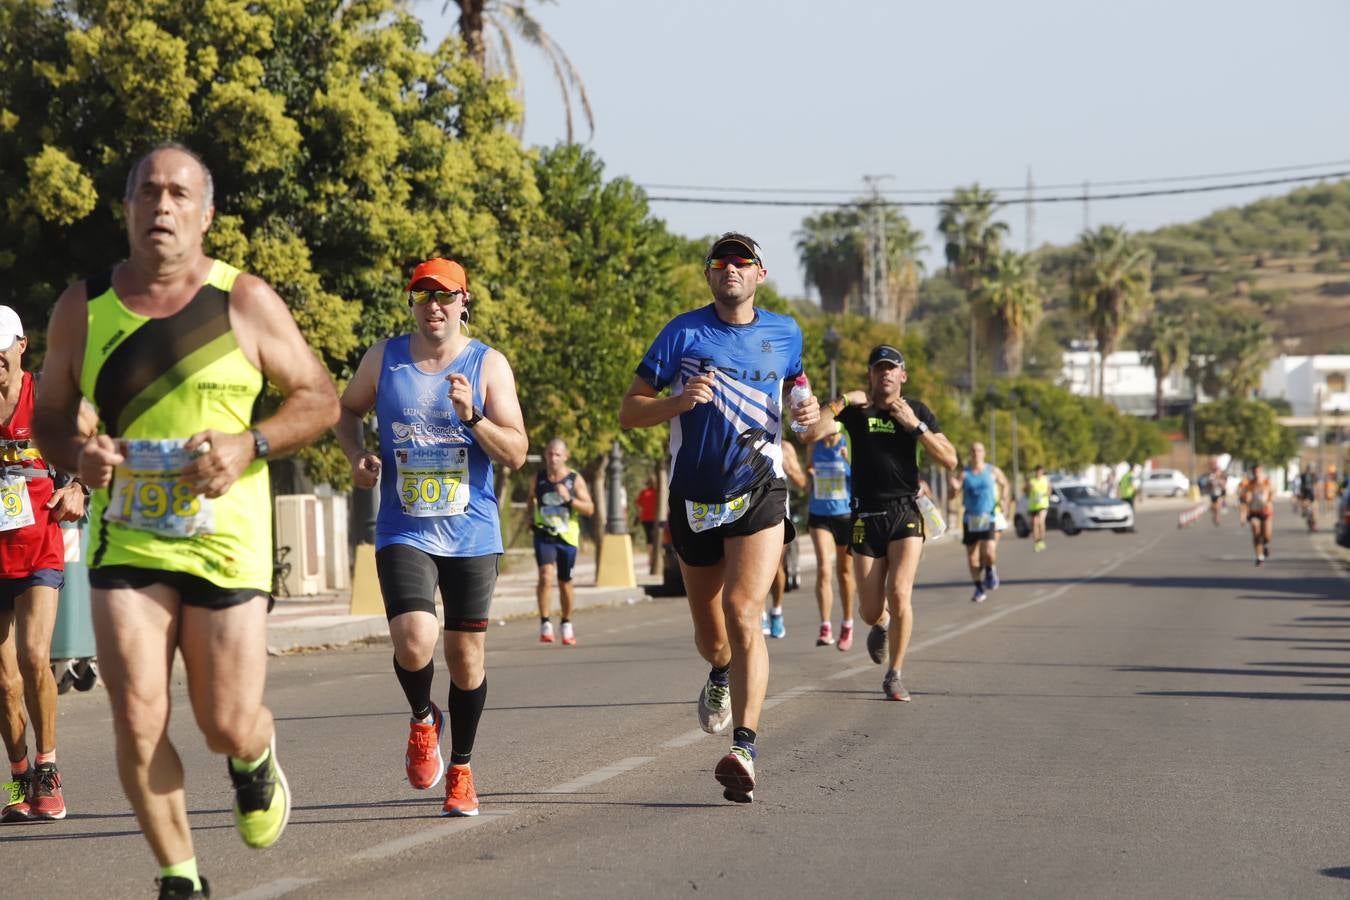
<point x="934" y="526"/>
<point x="801" y="392"/>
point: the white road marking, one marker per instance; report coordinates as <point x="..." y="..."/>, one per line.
<point x="994" y="617"/>
<point x="278" y="888"/>
<point x="602" y="774"/>
<point x="684" y="740"/>
<point x="428" y="835"/>
<point x="787" y="695"/>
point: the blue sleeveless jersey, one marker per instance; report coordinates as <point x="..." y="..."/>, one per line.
<point x="436" y="491"/>
<point x="831" y="488"/>
<point x="726" y="448"/>
<point x="977" y="491"/>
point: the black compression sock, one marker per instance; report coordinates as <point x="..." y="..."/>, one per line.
<point x="720" y="675"/>
<point x="465" y="708"/>
<point x="417" y="687"/>
<point x="743" y="735"/>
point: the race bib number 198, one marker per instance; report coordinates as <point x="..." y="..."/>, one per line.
<point x="147" y="494"/>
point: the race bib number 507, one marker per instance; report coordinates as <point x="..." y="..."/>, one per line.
<point x="433" y="481"/>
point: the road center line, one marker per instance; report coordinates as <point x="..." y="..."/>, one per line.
<point x="994" y="617"/>
<point x="278" y="888"/>
<point x="427" y="836"/>
<point x="602" y="774"/>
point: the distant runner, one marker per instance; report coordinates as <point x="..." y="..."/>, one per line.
<point x="1256" y="500"/>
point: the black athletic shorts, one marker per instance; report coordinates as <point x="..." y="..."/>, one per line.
<point x="874" y="529"/>
<point x="839" y="526"/>
<point x="192" y="589"/>
<point x="409" y="577"/>
<point x="766" y="507"/>
<point x="971" y="538"/>
<point x="12" y="589"/>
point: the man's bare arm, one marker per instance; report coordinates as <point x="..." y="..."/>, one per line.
<point x="56" y="410"/>
<point x="501" y="433"/>
<point x="582" y="501"/>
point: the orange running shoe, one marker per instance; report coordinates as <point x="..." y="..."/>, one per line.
<point x="460" y="797"/>
<point x="424" y="762"/>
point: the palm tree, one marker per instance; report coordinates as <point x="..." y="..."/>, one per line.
<point x="1166" y="345"/>
<point x="1247" y="352"/>
<point x="1110" y="287"/>
<point x="498" y="57"/>
<point x="1012" y="299"/>
<point x="971" y="237"/>
<point x="832" y="247"/>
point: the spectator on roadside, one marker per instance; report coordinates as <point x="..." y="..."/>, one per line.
<point x="646" y="504"/>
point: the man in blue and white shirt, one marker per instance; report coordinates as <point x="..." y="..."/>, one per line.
<point x="726" y="365"/>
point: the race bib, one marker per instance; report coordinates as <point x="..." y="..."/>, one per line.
<point x="1258" y="502"/>
<point x="147" y="494"/>
<point x="433" y="481"/>
<point x="706" y="516"/>
<point x="830" y="482"/>
<point x="16" y="507"/>
<point x="557" y="515"/>
<point x="979" y="521"/>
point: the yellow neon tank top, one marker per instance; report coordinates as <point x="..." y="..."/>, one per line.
<point x="169" y="378"/>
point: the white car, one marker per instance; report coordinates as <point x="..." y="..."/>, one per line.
<point x="1078" y="506"/>
<point x="1165" y="483"/>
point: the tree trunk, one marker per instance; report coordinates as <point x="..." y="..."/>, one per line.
<point x="471" y="29"/>
<point x="595" y="477"/>
<point x="1013" y="341"/>
<point x="657" y="548"/>
<point x="1158" y="377"/>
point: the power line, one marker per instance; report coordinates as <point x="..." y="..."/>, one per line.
<point x="1127" y="182"/>
<point x="1011" y="201"/>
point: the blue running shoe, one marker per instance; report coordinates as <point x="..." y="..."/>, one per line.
<point x="777" y="628"/>
<point x="991" y="579"/>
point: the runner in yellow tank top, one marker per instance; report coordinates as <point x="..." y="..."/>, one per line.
<point x="172" y="348"/>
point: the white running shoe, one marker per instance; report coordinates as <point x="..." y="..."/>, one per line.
<point x="714" y="707"/>
<point x="545" y="632"/>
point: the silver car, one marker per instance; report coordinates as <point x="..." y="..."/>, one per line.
<point x="1078" y="506"/>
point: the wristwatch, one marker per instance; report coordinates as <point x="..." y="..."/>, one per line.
<point x="474" y="419"/>
<point x="260" y="445"/>
<point x="921" y="428"/>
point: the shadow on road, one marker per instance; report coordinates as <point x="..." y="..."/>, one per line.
<point x="1245" y="695"/>
<point x="1256" y="587"/>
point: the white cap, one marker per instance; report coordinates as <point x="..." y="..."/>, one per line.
<point x="11" y="329"/>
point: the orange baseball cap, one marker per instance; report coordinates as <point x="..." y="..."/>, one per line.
<point x="445" y="272"/>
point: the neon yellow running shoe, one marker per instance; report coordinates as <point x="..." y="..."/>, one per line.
<point x="262" y="801"/>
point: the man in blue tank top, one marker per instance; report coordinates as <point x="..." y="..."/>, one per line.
<point x="726" y="366"/>
<point x="985" y="493"/>
<point x="447" y="410"/>
<point x="830" y="525"/>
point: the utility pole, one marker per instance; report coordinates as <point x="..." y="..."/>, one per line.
<point x="875" y="275"/>
<point x="1031" y="212"/>
<point x="1087" y="200"/>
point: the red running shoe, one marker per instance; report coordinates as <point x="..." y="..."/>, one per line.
<point x="44" y="793"/>
<point x="424" y="762"/>
<point x="845" y="637"/>
<point x="460" y="797"/>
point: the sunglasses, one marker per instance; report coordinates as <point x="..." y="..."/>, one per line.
<point x="739" y="262"/>
<point x="444" y="298"/>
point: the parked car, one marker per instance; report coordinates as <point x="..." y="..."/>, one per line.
<point x="1165" y="483"/>
<point x="1077" y="506"/>
<point x="1343" y="519"/>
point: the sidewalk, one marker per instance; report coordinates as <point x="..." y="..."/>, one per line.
<point x="323" y="621"/>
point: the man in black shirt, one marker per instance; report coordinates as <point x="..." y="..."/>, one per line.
<point x="885" y="432"/>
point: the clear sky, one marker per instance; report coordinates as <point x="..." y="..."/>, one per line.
<point x="795" y="94"/>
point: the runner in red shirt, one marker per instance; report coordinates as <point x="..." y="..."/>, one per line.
<point x="32" y="561"/>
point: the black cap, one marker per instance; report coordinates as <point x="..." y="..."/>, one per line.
<point x="735" y="239"/>
<point x="885" y="353"/>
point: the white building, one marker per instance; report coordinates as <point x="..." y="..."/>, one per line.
<point x="1310" y="382"/>
<point x="1130" y="384"/>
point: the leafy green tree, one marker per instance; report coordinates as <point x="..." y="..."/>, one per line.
<point x="1012" y="300"/>
<point x="832" y="247"/>
<point x="1110" y="287"/>
<point x="1230" y="353"/>
<point x="971" y="238"/>
<point x="1248" y="429"/>
<point x="1165" y="341"/>
<point x="343" y="152"/>
<point x="487" y="26"/>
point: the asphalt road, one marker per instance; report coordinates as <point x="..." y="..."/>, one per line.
<point x="1140" y="715"/>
